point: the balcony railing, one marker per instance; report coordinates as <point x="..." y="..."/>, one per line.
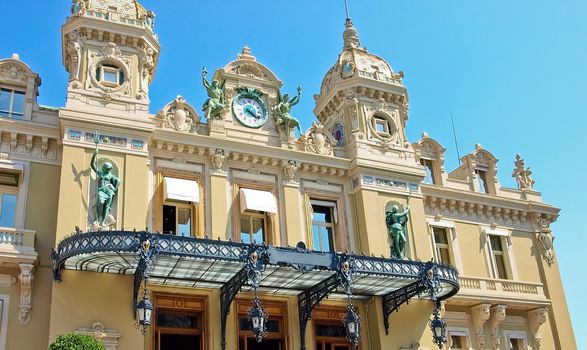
<point x="497" y="289"/>
<point x="11" y="236"/>
<point x="17" y="245"/>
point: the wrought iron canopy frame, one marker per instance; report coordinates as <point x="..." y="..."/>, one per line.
<point x="203" y="262"/>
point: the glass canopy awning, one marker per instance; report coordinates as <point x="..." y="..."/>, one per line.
<point x="206" y="263"/>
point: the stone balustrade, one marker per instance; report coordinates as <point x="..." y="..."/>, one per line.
<point x="17" y="238"/>
<point x="17" y="246"/>
<point x="498" y="289"/>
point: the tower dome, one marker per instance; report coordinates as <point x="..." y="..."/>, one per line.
<point x="128" y="8"/>
<point x="356" y="61"/>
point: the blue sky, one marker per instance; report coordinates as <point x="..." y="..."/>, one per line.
<point x="512" y="73"/>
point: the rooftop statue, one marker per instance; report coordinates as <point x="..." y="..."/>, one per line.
<point x="283" y="118"/>
<point x="106" y="189"/>
<point x="216" y="101"/>
<point x="397" y="229"/>
<point x="523" y="176"/>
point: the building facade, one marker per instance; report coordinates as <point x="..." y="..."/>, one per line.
<point x="201" y="210"/>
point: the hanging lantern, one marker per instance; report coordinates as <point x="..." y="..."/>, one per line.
<point x="438" y="326"/>
<point x="258" y="318"/>
<point x="352" y="325"/>
<point x="144" y="311"/>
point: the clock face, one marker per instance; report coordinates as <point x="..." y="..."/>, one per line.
<point x="249" y="111"/>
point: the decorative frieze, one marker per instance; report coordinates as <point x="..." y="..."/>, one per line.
<point x="108" y="139"/>
<point x="464" y="210"/>
<point x="390" y="184"/>
<point x="30" y="146"/>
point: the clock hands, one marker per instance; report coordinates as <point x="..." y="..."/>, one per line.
<point x="248" y="111"/>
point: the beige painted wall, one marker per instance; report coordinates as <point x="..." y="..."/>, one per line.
<point x="18" y="336"/>
<point x="469" y="238"/>
<point x="84" y="298"/>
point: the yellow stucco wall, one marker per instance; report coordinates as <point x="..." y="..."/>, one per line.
<point x="471" y="249"/>
<point x="84" y="298"/>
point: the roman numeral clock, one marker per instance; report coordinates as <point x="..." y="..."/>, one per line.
<point x="248" y="108"/>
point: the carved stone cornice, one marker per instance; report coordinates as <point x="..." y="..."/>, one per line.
<point x="501" y="211"/>
<point x="26" y="281"/>
<point x="480" y="314"/>
<point x="497" y="317"/>
<point x="535" y="320"/>
<point x="255" y="155"/>
<point x="30" y="145"/>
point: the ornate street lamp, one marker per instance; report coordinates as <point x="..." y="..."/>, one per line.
<point x="438" y="326"/>
<point x="144" y="308"/>
<point x="258" y="318"/>
<point x="256" y="315"/>
<point x="352" y="325"/>
<point x="144" y="311"/>
<point x="351" y="321"/>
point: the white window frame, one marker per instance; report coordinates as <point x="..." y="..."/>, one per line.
<point x="452" y="237"/>
<point x="459" y="332"/>
<point x="423" y="161"/>
<point x="332" y="225"/>
<point x="22" y="190"/>
<point x="516" y="335"/>
<point x="480" y="187"/>
<point x="4" y="307"/>
<point x="10" y="111"/>
<point x="116" y="71"/>
<point x="377" y="120"/>
<point x="183" y="205"/>
<point x="508" y="254"/>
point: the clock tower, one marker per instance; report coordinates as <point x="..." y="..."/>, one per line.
<point x="251" y="92"/>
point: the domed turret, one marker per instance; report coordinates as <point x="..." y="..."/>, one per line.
<point x="362" y="101"/>
<point x="356" y="61"/>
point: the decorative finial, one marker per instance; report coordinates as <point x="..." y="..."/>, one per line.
<point x="246" y="54"/>
<point x="15" y="56"/>
<point x="350" y="36"/>
<point x="522" y="175"/>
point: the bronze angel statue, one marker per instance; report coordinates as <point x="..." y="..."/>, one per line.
<point x="283" y="117"/>
<point x="216" y="101"/>
<point x="397" y="229"/>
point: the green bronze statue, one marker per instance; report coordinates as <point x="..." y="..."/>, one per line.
<point x="106" y="188"/>
<point x="283" y="117"/>
<point x="397" y="229"/>
<point x="216" y="102"/>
